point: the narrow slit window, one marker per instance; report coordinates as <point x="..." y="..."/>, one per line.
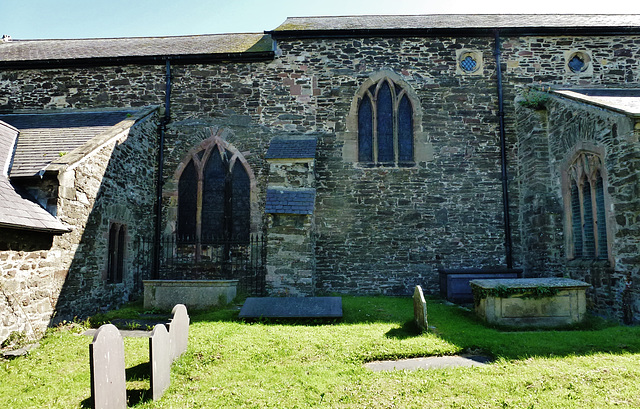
<point x="116" y="253"/>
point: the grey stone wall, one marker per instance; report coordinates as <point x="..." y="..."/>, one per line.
<point x="114" y="185"/>
<point x="27" y="273"/>
<point x="550" y="138"/>
<point x="47" y="278"/>
<point x="378" y="230"/>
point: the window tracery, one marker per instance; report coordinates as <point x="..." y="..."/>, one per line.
<point x="587" y="212"/>
<point x="385" y="125"/>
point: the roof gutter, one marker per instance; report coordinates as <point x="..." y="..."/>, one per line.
<point x="36" y="229"/>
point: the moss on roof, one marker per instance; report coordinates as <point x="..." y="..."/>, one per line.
<point x="36" y="50"/>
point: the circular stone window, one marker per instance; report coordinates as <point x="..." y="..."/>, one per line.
<point x="578" y="62"/>
<point x="468" y="63"/>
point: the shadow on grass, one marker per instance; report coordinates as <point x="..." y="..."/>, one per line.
<point x="408" y="330"/>
<point x="464" y="329"/>
<point x="461" y="327"/>
<point x="140" y="372"/>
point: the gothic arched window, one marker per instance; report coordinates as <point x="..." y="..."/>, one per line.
<point x="214" y="198"/>
<point x="587" y="213"/>
<point x="385" y="125"/>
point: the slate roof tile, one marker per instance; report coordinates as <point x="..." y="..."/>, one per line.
<point x="43" y="138"/>
<point x="302" y="148"/>
<point x="290" y="201"/>
<point x="18" y="211"/>
<point x="458" y="21"/>
<point x="71" y="49"/>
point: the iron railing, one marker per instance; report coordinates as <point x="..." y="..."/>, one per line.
<point x="188" y="258"/>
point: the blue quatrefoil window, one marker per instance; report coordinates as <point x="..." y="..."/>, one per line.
<point x="469" y="64"/>
<point x="578" y="62"/>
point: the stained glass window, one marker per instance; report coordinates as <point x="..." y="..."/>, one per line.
<point x="468" y="64"/>
<point x="187" y="202"/>
<point x="385" y="125"/>
<point x="214" y="198"/>
<point x="365" y="131"/>
<point x="576" y="64"/>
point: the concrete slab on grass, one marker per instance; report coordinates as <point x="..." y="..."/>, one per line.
<point x="433" y="362"/>
<point x="292" y="307"/>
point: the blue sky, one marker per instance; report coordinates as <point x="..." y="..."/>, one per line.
<point x="31" y="19"/>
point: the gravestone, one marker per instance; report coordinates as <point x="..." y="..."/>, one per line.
<point x="292" y="307"/>
<point x="160" y="360"/>
<point x="178" y="331"/>
<point x="106" y="360"/>
<point x="420" y="309"/>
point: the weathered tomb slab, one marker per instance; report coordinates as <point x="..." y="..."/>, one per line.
<point x="454" y="282"/>
<point x="420" y="309"/>
<point x="160" y="360"/>
<point x="195" y="294"/>
<point x="292" y="307"/>
<point x="512" y="302"/>
<point x="179" y="331"/>
<point x="106" y="360"/>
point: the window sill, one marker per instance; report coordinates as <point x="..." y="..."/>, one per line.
<point x="582" y="262"/>
<point x="386" y="165"/>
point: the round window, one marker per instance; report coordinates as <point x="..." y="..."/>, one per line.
<point x="468" y="63"/>
<point x="578" y="62"/>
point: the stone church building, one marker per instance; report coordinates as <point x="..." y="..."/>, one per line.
<point x="362" y="154"/>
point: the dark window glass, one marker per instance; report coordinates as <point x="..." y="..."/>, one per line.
<point x="223" y="206"/>
<point x="213" y="197"/>
<point x="115" y="253"/>
<point x="600" y="214"/>
<point x="365" y="131"/>
<point x="576" y="64"/>
<point x="589" y="249"/>
<point x="187" y="202"/>
<point x="405" y="130"/>
<point x="576" y="220"/>
<point x="241" y="203"/>
<point x="120" y="255"/>
<point x="385" y="124"/>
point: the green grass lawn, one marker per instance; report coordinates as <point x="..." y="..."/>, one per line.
<point x="230" y="363"/>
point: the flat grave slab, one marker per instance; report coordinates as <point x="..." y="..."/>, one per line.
<point x="433" y="362"/>
<point x="292" y="307"/>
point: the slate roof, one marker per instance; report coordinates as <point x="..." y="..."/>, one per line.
<point x="301" y="148"/>
<point x="625" y="101"/>
<point x="290" y="201"/>
<point x="147" y="47"/>
<point x="16" y="209"/>
<point x="8" y="135"/>
<point x="44" y="138"/>
<point x="457" y="21"/>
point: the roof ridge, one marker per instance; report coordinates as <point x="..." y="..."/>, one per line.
<point x="15" y="40"/>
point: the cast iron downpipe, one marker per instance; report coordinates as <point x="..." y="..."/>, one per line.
<point x="503" y="157"/>
<point x="159" y="182"/>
